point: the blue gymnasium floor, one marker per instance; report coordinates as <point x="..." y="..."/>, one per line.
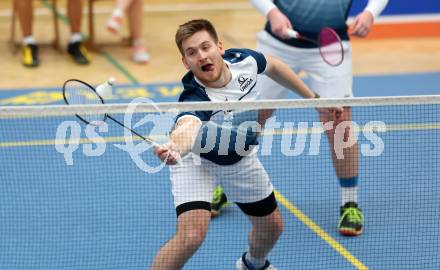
<point x="105" y="213"/>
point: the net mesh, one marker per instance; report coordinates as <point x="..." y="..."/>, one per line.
<point x="80" y="197"/>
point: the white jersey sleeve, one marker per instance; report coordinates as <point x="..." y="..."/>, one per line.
<point x="263" y="6"/>
<point x="376" y="7"/>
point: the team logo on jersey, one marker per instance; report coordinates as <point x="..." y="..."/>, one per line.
<point x="244" y="81"/>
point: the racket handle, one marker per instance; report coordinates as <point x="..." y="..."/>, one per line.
<point x="292" y="33"/>
<point x="179" y="160"/>
<point x="151" y="141"/>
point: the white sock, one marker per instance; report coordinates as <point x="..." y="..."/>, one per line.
<point x="28" y="40"/>
<point x="75" y="37"/>
<point x="349" y="194"/>
<point x="257" y="263"/>
<point x="117" y="12"/>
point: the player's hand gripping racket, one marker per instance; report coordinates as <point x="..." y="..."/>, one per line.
<point x="328" y="42"/>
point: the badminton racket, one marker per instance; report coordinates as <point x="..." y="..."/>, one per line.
<point x="77" y="92"/>
<point x="329" y="44"/>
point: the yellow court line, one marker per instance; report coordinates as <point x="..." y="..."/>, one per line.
<point x="320" y="232"/>
<point x="54" y="142"/>
<point x="58" y="142"/>
<point x="413" y="126"/>
<point x="389" y="128"/>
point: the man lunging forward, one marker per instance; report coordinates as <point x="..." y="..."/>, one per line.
<point x="215" y="75"/>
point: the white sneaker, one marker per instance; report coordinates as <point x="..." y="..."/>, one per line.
<point x="242" y="266"/>
<point x="140" y="54"/>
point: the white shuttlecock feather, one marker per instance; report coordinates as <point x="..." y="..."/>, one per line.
<point x="105" y="90"/>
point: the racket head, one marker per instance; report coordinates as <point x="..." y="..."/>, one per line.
<point x="330" y="46"/>
<point x="77" y="92"/>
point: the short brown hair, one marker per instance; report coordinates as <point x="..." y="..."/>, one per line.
<point x="189" y="28"/>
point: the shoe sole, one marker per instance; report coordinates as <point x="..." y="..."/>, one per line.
<point x="31" y="65"/>
<point x="140" y="62"/>
<point x="347" y="232"/>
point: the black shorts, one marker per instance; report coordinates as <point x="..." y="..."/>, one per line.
<point x="256" y="209"/>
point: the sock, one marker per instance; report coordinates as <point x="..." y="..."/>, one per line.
<point x="117" y="12"/>
<point x="27" y="40"/>
<point x="75" y="37"/>
<point x="348" y="189"/>
<point x="349" y="195"/>
<point x="255" y="262"/>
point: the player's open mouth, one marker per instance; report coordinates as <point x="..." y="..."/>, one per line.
<point x="207" y="67"/>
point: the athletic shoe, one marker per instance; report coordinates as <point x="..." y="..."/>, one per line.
<point x="79" y="53"/>
<point x="351" y="220"/>
<point x="140" y="54"/>
<point x="243" y="265"/>
<point x="219" y="200"/>
<point x="30" y="55"/>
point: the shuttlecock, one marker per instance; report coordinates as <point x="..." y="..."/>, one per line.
<point x="105" y="90"/>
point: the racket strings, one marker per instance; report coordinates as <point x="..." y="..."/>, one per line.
<point x="330" y="47"/>
<point x="79" y="93"/>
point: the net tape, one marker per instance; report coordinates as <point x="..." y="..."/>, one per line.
<point x="63" y="110"/>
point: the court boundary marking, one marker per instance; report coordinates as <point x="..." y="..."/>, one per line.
<point x="112" y="139"/>
<point x="319" y="231"/>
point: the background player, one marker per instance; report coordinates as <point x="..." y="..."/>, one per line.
<point x="308" y="17"/>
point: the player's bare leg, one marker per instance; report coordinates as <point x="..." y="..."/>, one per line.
<point x="75" y="47"/>
<point x="192" y="227"/>
<point x="345" y="156"/>
<point x="140" y="54"/>
<point x="262" y="238"/>
<point x="265" y="233"/>
<point x="30" y="49"/>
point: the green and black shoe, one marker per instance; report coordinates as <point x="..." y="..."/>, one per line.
<point x="219" y="200"/>
<point x="351" y="222"/>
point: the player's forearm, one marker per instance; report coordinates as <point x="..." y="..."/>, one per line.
<point x="185" y="133"/>
<point x="263" y="6"/>
<point x="375" y="7"/>
<point x="282" y="74"/>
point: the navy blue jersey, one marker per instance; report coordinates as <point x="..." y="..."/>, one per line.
<point x="226" y="136"/>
